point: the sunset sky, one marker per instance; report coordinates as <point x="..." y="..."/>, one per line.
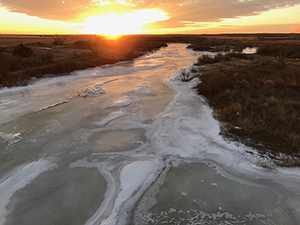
<point x="114" y="17"/>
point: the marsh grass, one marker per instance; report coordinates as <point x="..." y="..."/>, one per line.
<point x="207" y="59"/>
<point x="186" y="76"/>
<point x="21" y="63"/>
<point x="214" y="44"/>
<point x="59" y="39"/>
<point x="22" y="50"/>
<point x="262" y="99"/>
<point x="283" y="50"/>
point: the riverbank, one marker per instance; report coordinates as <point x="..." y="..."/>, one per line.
<point x="19" y="63"/>
<point x="256" y="98"/>
<point x="25" y="57"/>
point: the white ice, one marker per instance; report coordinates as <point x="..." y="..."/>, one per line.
<point x="18" y="179"/>
<point x="125" y="101"/>
<point x="249" y="50"/>
<point x="111" y="117"/>
<point x="10" y="138"/>
<point x="182" y="131"/>
<point x="143" y="89"/>
<point x="134" y="178"/>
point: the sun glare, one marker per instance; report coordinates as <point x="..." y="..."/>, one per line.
<point x="113" y="24"/>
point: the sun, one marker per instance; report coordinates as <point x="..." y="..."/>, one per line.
<point x="114" y="24"/>
<point x="109" y="25"/>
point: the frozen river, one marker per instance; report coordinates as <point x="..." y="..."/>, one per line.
<point x="130" y="144"/>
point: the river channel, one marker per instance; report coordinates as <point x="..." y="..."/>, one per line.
<point x="130" y="143"/>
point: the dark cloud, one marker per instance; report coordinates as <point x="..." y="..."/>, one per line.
<point x="178" y="10"/>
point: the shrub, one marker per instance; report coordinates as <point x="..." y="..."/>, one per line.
<point x="185" y="76"/>
<point x="239" y="55"/>
<point x="286" y="50"/>
<point x="199" y="47"/>
<point x="83" y="44"/>
<point x="59" y="40"/>
<point x="204" y="59"/>
<point x="262" y="98"/>
<point x="22" y="50"/>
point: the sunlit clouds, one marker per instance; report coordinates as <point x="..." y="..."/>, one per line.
<point x="19" y="23"/>
<point x="118" y="24"/>
<point x="116" y="17"/>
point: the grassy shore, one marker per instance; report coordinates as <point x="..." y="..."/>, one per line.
<point x="257" y="98"/>
<point x="21" y="62"/>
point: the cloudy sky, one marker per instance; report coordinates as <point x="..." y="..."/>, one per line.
<point x="167" y="16"/>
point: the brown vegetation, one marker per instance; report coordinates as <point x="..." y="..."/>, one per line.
<point x="207" y="59"/>
<point x="283" y="50"/>
<point x="216" y="44"/>
<point x="19" y="63"/>
<point x="258" y="99"/>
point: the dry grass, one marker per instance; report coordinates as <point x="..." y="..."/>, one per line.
<point x="221" y="43"/>
<point x="282" y="49"/>
<point x="186" y="76"/>
<point x="18" y="64"/>
<point x="207" y="59"/>
<point x="11" y="40"/>
<point x="263" y="99"/>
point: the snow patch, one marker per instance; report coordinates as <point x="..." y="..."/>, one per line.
<point x="111" y="117"/>
<point x="143" y="89"/>
<point x="98" y="89"/>
<point x="17" y="180"/>
<point x="125" y="101"/>
<point x="11" y="138"/>
<point x="249" y="50"/>
<point x="134" y="178"/>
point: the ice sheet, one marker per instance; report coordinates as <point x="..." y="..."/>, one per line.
<point x="143" y="89"/>
<point x="111" y="117"/>
<point x="17" y="180"/>
<point x="125" y="101"/>
<point x="146" y="124"/>
<point x="134" y="178"/>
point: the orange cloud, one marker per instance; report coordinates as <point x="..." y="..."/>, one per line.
<point x="182" y="10"/>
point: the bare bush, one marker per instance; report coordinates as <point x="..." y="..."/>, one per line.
<point x="59" y="39"/>
<point x="262" y="98"/>
<point x="185" y="76"/>
<point x="22" y="51"/>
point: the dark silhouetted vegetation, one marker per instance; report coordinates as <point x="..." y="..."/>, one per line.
<point x="186" y="76"/>
<point x="16" y="68"/>
<point x="59" y="39"/>
<point x="284" y="50"/>
<point x="22" y="51"/>
<point x="207" y="59"/>
<point x="84" y="44"/>
<point x="215" y="44"/>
